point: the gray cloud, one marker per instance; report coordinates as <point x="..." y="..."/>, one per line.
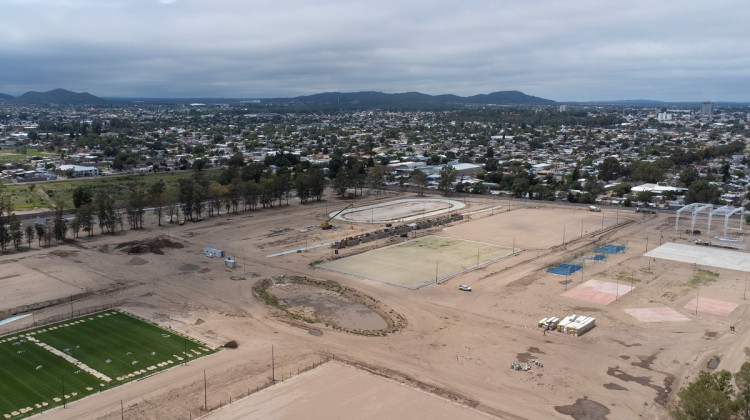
<point x="575" y="50"/>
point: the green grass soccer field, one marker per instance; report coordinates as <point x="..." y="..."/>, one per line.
<point x="83" y="356"/>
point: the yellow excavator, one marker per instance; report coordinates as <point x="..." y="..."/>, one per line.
<point x="326" y="225"/>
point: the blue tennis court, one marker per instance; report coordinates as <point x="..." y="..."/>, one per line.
<point x="564" y="269"/>
<point x="598" y="257"/>
<point x="610" y="249"/>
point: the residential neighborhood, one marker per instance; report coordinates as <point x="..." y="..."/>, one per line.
<point x="603" y="154"/>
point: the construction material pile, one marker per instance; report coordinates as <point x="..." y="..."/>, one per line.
<point x="572" y="324"/>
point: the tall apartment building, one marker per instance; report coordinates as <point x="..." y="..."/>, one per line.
<point x="707" y="109"/>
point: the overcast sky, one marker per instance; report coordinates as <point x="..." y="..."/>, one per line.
<point x="574" y="50"/>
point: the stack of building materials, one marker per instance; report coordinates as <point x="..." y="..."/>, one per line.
<point x="548" y="323"/>
<point x="576" y="324"/>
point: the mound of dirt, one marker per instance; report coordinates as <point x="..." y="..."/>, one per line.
<point x="137" y="261"/>
<point x="154" y="246"/>
<point x="584" y="409"/>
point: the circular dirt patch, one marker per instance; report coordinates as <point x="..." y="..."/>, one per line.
<point x="329" y="303"/>
<point x="188" y="267"/>
<point x="399" y="210"/>
<point x="154" y="246"/>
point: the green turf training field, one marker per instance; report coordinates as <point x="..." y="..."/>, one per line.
<point x="84" y="355"/>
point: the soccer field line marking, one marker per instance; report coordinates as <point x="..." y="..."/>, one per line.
<point x="70" y="359"/>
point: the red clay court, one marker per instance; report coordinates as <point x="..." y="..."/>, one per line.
<point x="656" y="314"/>
<point x="712" y="306"/>
<point x="598" y="291"/>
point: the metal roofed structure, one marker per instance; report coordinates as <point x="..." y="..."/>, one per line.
<point x="708" y="209"/>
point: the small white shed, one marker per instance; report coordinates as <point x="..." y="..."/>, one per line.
<point x="213" y="252"/>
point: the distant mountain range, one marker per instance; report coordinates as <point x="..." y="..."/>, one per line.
<point x="330" y="99"/>
<point x="365" y="99"/>
<point x="58" y="97"/>
<point x="374" y="99"/>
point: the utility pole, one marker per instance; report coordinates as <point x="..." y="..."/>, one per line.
<point x="205" y="391"/>
<point x="697" y="299"/>
<point x="581" y="228"/>
<point x="273" y="367"/>
<point x="617" y="290"/>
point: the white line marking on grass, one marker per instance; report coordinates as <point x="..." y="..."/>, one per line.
<point x="71" y="359"/>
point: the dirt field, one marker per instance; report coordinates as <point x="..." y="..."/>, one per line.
<point x="419" y="262"/>
<point x="370" y="396"/>
<point x="455" y="345"/>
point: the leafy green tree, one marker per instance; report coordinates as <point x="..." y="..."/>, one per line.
<point x="136" y="204"/>
<point x="234" y="192"/>
<point x="302" y="186"/>
<point x="158" y="197"/>
<point x="29" y="234"/>
<point x="702" y="191"/>
<point x="520" y="186"/>
<point x="376" y="177"/>
<point x="40" y="230"/>
<point x="81" y="195"/>
<point x="688" y="176"/>
<point x="708" y="397"/>
<point x="343" y="181"/>
<point x="198" y="196"/>
<point x="317" y="181"/>
<point x="85" y="216"/>
<point x="742" y="381"/>
<point x="448" y="176"/>
<point x="105" y="211"/>
<point x="621" y="189"/>
<point x="185" y="196"/>
<point x="4" y="238"/>
<point x="60" y="226"/>
<point x="419" y="179"/>
<point x="644" y="196"/>
<point x="76" y="226"/>
<point x="16" y="234"/>
<point x="610" y="169"/>
<point x="282" y="186"/>
<point x="250" y="194"/>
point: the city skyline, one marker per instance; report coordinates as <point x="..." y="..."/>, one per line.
<point x="573" y="51"/>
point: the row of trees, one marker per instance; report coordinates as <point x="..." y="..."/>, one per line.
<point x="13" y="234"/>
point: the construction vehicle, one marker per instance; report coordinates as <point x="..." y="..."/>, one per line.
<point x="326" y="225"/>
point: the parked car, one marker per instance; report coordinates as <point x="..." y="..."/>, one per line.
<point x="464" y="288"/>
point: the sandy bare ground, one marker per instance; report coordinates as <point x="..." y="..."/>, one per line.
<point x="353" y="390"/>
<point x="456" y="345"/>
<point x="21" y="284"/>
